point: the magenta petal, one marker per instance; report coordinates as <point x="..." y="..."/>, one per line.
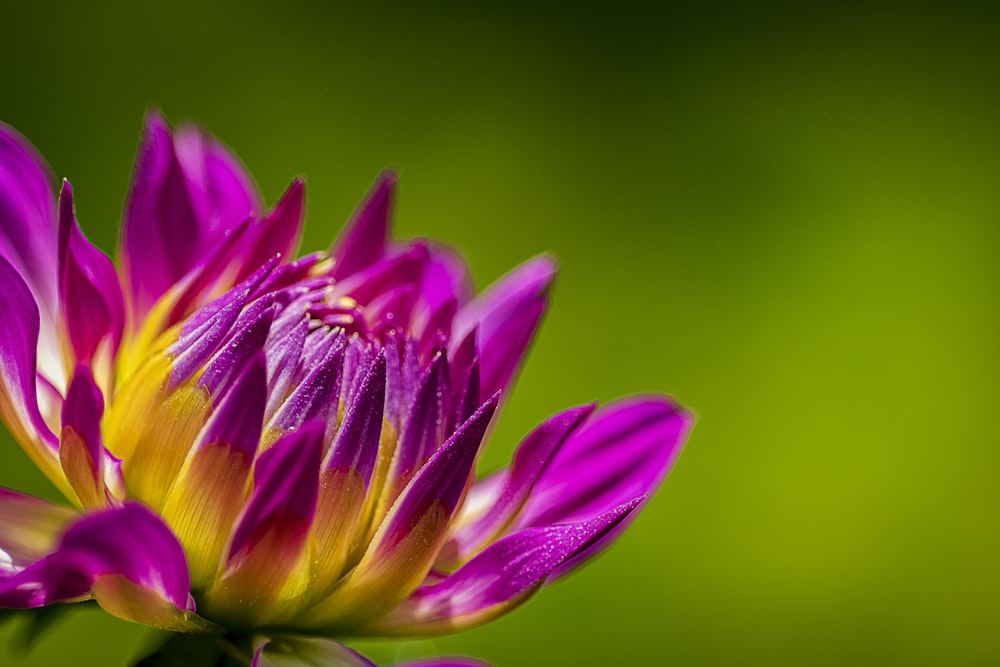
<point x="277" y="233"/>
<point x="186" y="193"/>
<point x="363" y="240"/>
<point x="286" y="484"/>
<point x="357" y="441"/>
<point x="161" y="235"/>
<point x="508" y="314"/>
<point x="83" y="409"/>
<point x="129" y="541"/>
<point x="500" y="577"/>
<point x="27" y="216"/>
<point x="18" y="341"/>
<point x="222" y="191"/>
<point x="425" y="421"/>
<point x="238" y="419"/>
<point x="310" y="400"/>
<point x="443" y="477"/>
<point x="624" y="451"/>
<point x="529" y="464"/>
<point x="249" y="335"/>
<point x="90" y="295"/>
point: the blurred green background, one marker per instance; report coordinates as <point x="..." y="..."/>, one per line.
<point x="787" y="217"/>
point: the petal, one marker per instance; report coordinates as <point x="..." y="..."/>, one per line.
<point x="31" y="529"/>
<point x="507" y="314"/>
<point x="212" y="485"/>
<point x="278" y="232"/>
<point x="27" y="216"/>
<point x="363" y="240"/>
<point x="18" y="391"/>
<point x="310" y="400"/>
<point x="84" y="459"/>
<point x="530" y="462"/>
<point x="91" y="304"/>
<point x="222" y="191"/>
<point x="403" y="548"/>
<point x="289" y="651"/>
<point x="187" y="191"/>
<point x="497" y="580"/>
<point x="266" y="572"/>
<point x="357" y="441"/>
<point x="425" y="422"/>
<point x="127" y="544"/>
<point x="623" y="451"/>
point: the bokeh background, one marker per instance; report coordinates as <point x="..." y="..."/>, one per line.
<point x="786" y="216"/>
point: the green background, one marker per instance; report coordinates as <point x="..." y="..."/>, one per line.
<point x="786" y="217"/>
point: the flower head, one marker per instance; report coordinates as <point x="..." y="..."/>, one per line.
<point x="270" y="449"/>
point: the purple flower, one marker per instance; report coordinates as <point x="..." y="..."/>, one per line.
<point x="280" y="451"/>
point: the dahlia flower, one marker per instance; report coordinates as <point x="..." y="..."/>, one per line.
<point x="276" y="454"/>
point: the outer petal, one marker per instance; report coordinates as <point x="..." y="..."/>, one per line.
<point x="90" y="296"/>
<point x="497" y="580"/>
<point x="18" y="392"/>
<point x="481" y="522"/>
<point x="28" y="237"/>
<point x="277" y="233"/>
<point x="186" y="193"/>
<point x="508" y="314"/>
<point x="27" y="215"/>
<point x="31" y="529"/>
<point x="624" y="451"/>
<point x="120" y="555"/>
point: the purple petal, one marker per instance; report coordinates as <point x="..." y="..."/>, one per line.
<point x="27" y="216"/>
<point x="405" y="267"/>
<point x="89" y="468"/>
<point x="305" y="652"/>
<point x="508" y="314"/>
<point x="499" y="578"/>
<point x="625" y="450"/>
<point x="357" y="442"/>
<point x="283" y="353"/>
<point x="250" y="334"/>
<point x="425" y="420"/>
<point x="196" y="344"/>
<point x="222" y="191"/>
<point x="187" y="191"/>
<point x="530" y="462"/>
<point x="311" y="398"/>
<point x="443" y="477"/>
<point x="129" y="541"/>
<point x="363" y="240"/>
<point x="239" y="419"/>
<point x="83" y="409"/>
<point x="286" y="483"/>
<point x="161" y="235"/>
<point x="18" y="341"/>
<point x="90" y="296"/>
<point x="277" y="233"/>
